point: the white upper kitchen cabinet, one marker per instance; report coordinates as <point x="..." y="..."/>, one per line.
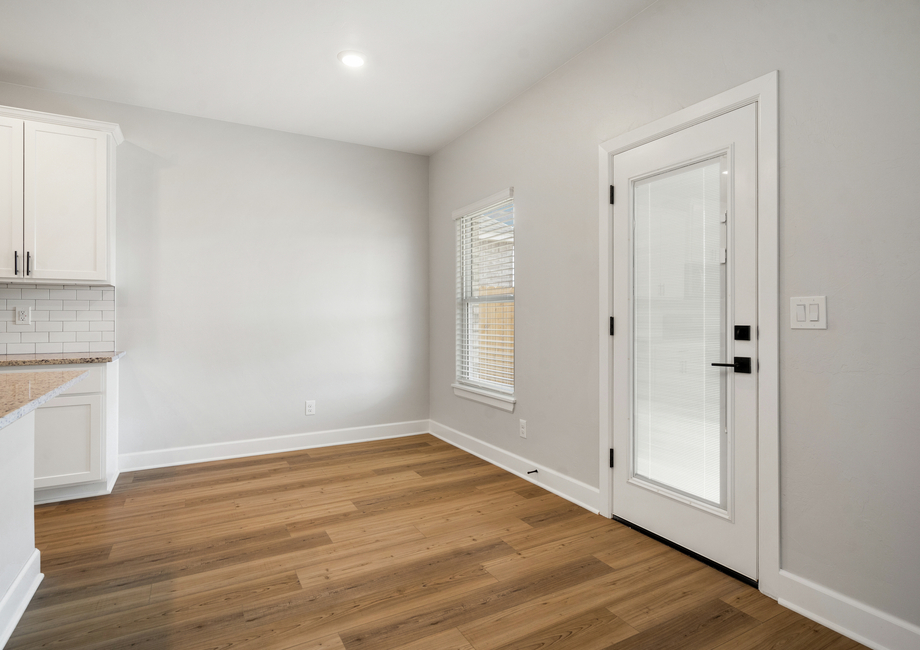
<point x="11" y="188"/>
<point x="57" y="198"/>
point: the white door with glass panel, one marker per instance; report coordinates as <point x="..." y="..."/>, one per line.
<point x="685" y="349"/>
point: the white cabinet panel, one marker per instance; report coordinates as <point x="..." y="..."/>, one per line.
<point x="57" y="198"/>
<point x="65" y="202"/>
<point x="68" y="440"/>
<point x="11" y="163"/>
<point x="76" y="435"/>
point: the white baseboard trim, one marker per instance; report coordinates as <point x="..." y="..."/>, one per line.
<point x="863" y="623"/>
<point x="259" y="446"/>
<point x="69" y="492"/>
<point x="573" y="490"/>
<point x="18" y="596"/>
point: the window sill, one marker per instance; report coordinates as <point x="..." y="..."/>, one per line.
<point x="497" y="400"/>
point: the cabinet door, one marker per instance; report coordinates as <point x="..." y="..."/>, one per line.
<point x="68" y="441"/>
<point x="65" y="202"/>
<point x="10" y="196"/>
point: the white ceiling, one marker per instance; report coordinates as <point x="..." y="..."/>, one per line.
<point x="435" y="67"/>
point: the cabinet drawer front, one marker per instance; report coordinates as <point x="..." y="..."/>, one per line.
<point x="68" y="441"/>
<point x="94" y="383"/>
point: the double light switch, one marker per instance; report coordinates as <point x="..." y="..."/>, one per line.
<point x="808" y="313"/>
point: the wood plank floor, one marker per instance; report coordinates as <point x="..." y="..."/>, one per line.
<point x="407" y="543"/>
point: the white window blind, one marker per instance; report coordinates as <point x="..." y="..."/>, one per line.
<point x="485" y="297"/>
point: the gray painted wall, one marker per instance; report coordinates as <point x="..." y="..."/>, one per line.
<point x="258" y="269"/>
<point x="849" y="136"/>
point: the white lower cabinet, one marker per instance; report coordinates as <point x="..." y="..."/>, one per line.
<point x="68" y="441"/>
<point x="76" y="435"/>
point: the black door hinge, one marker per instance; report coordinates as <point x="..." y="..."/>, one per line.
<point x="611" y="458"/>
<point x="611" y="195"/>
<point x="611" y="326"/>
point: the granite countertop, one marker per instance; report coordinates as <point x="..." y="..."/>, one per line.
<point x="58" y="359"/>
<point x="22" y="392"/>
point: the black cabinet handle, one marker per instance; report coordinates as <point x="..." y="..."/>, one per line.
<point x="28" y="263"/>
<point x="741" y="364"/>
<point x="15" y="262"/>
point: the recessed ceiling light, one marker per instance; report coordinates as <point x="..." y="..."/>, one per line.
<point x="351" y="58"/>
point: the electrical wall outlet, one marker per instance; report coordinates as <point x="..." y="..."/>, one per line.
<point x="23" y="315"/>
<point x="311" y="407"/>
<point x="523" y="428"/>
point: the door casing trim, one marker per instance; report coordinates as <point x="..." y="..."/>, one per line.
<point x="764" y="92"/>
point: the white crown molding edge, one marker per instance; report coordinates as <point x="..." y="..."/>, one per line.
<point x="568" y="488"/>
<point x="64" y="120"/>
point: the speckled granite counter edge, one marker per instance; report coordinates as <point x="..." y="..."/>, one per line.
<point x="12" y="416"/>
<point x="8" y="360"/>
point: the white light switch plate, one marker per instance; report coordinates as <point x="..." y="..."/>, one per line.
<point x="808" y="313"/>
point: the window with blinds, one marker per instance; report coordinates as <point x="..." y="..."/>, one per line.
<point x="485" y="297"/>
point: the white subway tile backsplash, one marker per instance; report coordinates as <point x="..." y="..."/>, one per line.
<point x="65" y="318"/>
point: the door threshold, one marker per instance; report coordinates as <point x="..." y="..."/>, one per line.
<point x="686" y="551"/>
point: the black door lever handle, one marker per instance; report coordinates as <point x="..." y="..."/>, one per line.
<point x="741" y="364"/>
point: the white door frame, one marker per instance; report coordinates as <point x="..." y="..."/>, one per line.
<point x="763" y="92"/>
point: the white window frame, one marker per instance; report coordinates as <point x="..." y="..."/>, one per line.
<point x="477" y="392"/>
